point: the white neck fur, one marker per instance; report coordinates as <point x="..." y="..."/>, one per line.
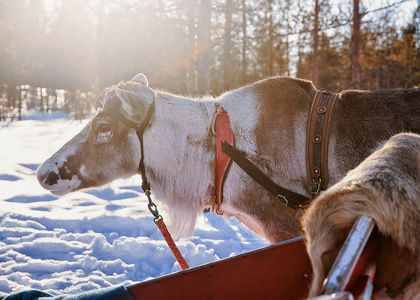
<point x="179" y="158"/>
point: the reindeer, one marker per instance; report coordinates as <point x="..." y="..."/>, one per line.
<point x="177" y="147"/>
<point x="385" y="187"/>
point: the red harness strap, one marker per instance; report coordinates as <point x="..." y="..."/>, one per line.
<point x="224" y="133"/>
<point x="317" y="139"/>
<point x="226" y="153"/>
<point x="168" y="238"/>
<point x="165" y="232"/>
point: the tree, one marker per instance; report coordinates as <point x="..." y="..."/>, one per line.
<point x="227" y="47"/>
<point x="69" y="55"/>
<point x="244" y="64"/>
<point x="355" y="67"/>
<point x="204" y="46"/>
<point x="316" y="43"/>
<point x="22" y="37"/>
<point x="192" y="85"/>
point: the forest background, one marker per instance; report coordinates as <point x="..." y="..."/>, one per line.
<point x="59" y="54"/>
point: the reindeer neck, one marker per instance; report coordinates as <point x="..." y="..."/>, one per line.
<point x="179" y="156"/>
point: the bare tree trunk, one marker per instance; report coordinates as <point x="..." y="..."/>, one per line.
<point x="227" y="47"/>
<point x="287" y="39"/>
<point x="204" y="47"/>
<point x="270" y="40"/>
<point x="192" y="50"/>
<point x="316" y="45"/>
<point x="244" y="45"/>
<point x="355" y="68"/>
<point x="19" y="94"/>
<point x="99" y="11"/>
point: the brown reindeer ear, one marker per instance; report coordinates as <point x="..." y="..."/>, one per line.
<point x="135" y="104"/>
<point x="140" y="78"/>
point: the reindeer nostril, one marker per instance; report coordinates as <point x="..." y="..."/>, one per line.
<point x="52" y="178"/>
<point x="41" y="176"/>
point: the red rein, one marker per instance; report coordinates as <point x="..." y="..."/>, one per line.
<point x="168" y="238"/>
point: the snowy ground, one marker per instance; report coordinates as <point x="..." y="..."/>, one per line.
<point x="91" y="239"/>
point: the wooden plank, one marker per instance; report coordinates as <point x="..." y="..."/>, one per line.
<point x="280" y="271"/>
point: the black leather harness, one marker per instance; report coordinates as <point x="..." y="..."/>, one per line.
<point x="316" y="155"/>
<point x="317" y="139"/>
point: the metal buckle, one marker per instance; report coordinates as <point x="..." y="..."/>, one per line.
<point x="153" y="209"/>
<point x="219" y="110"/>
<point x="152" y="206"/>
<point x="286" y="202"/>
<point x="316" y="186"/>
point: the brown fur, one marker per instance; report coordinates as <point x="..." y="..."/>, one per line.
<point x="363" y="119"/>
<point x="269" y="120"/>
<point x="385" y="187"/>
<point x="360" y="121"/>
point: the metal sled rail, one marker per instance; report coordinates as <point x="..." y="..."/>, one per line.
<point x="352" y="273"/>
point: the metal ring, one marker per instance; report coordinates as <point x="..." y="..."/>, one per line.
<point x="219" y="110"/>
<point x="159" y="217"/>
<point x="286" y="202"/>
<point x="213" y="123"/>
<point x="153" y="209"/>
<point x="316" y="186"/>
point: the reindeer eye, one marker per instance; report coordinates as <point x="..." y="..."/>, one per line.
<point x="102" y="128"/>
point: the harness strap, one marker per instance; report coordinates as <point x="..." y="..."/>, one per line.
<point x="289" y="198"/>
<point x="110" y="110"/>
<point x="223" y="132"/>
<point x="113" y="112"/>
<point x="168" y="238"/>
<point x="317" y="140"/>
<point x="145" y="185"/>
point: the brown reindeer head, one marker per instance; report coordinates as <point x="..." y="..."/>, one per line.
<point x="107" y="148"/>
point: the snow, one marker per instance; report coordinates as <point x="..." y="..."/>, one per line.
<point x="88" y="239"/>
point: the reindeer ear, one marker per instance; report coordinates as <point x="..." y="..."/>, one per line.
<point x="134" y="104"/>
<point x="127" y="99"/>
<point x="140" y="78"/>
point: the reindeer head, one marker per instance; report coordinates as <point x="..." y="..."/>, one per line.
<point x="107" y="148"/>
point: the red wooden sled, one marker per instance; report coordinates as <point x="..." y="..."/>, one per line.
<point x="280" y="271"/>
